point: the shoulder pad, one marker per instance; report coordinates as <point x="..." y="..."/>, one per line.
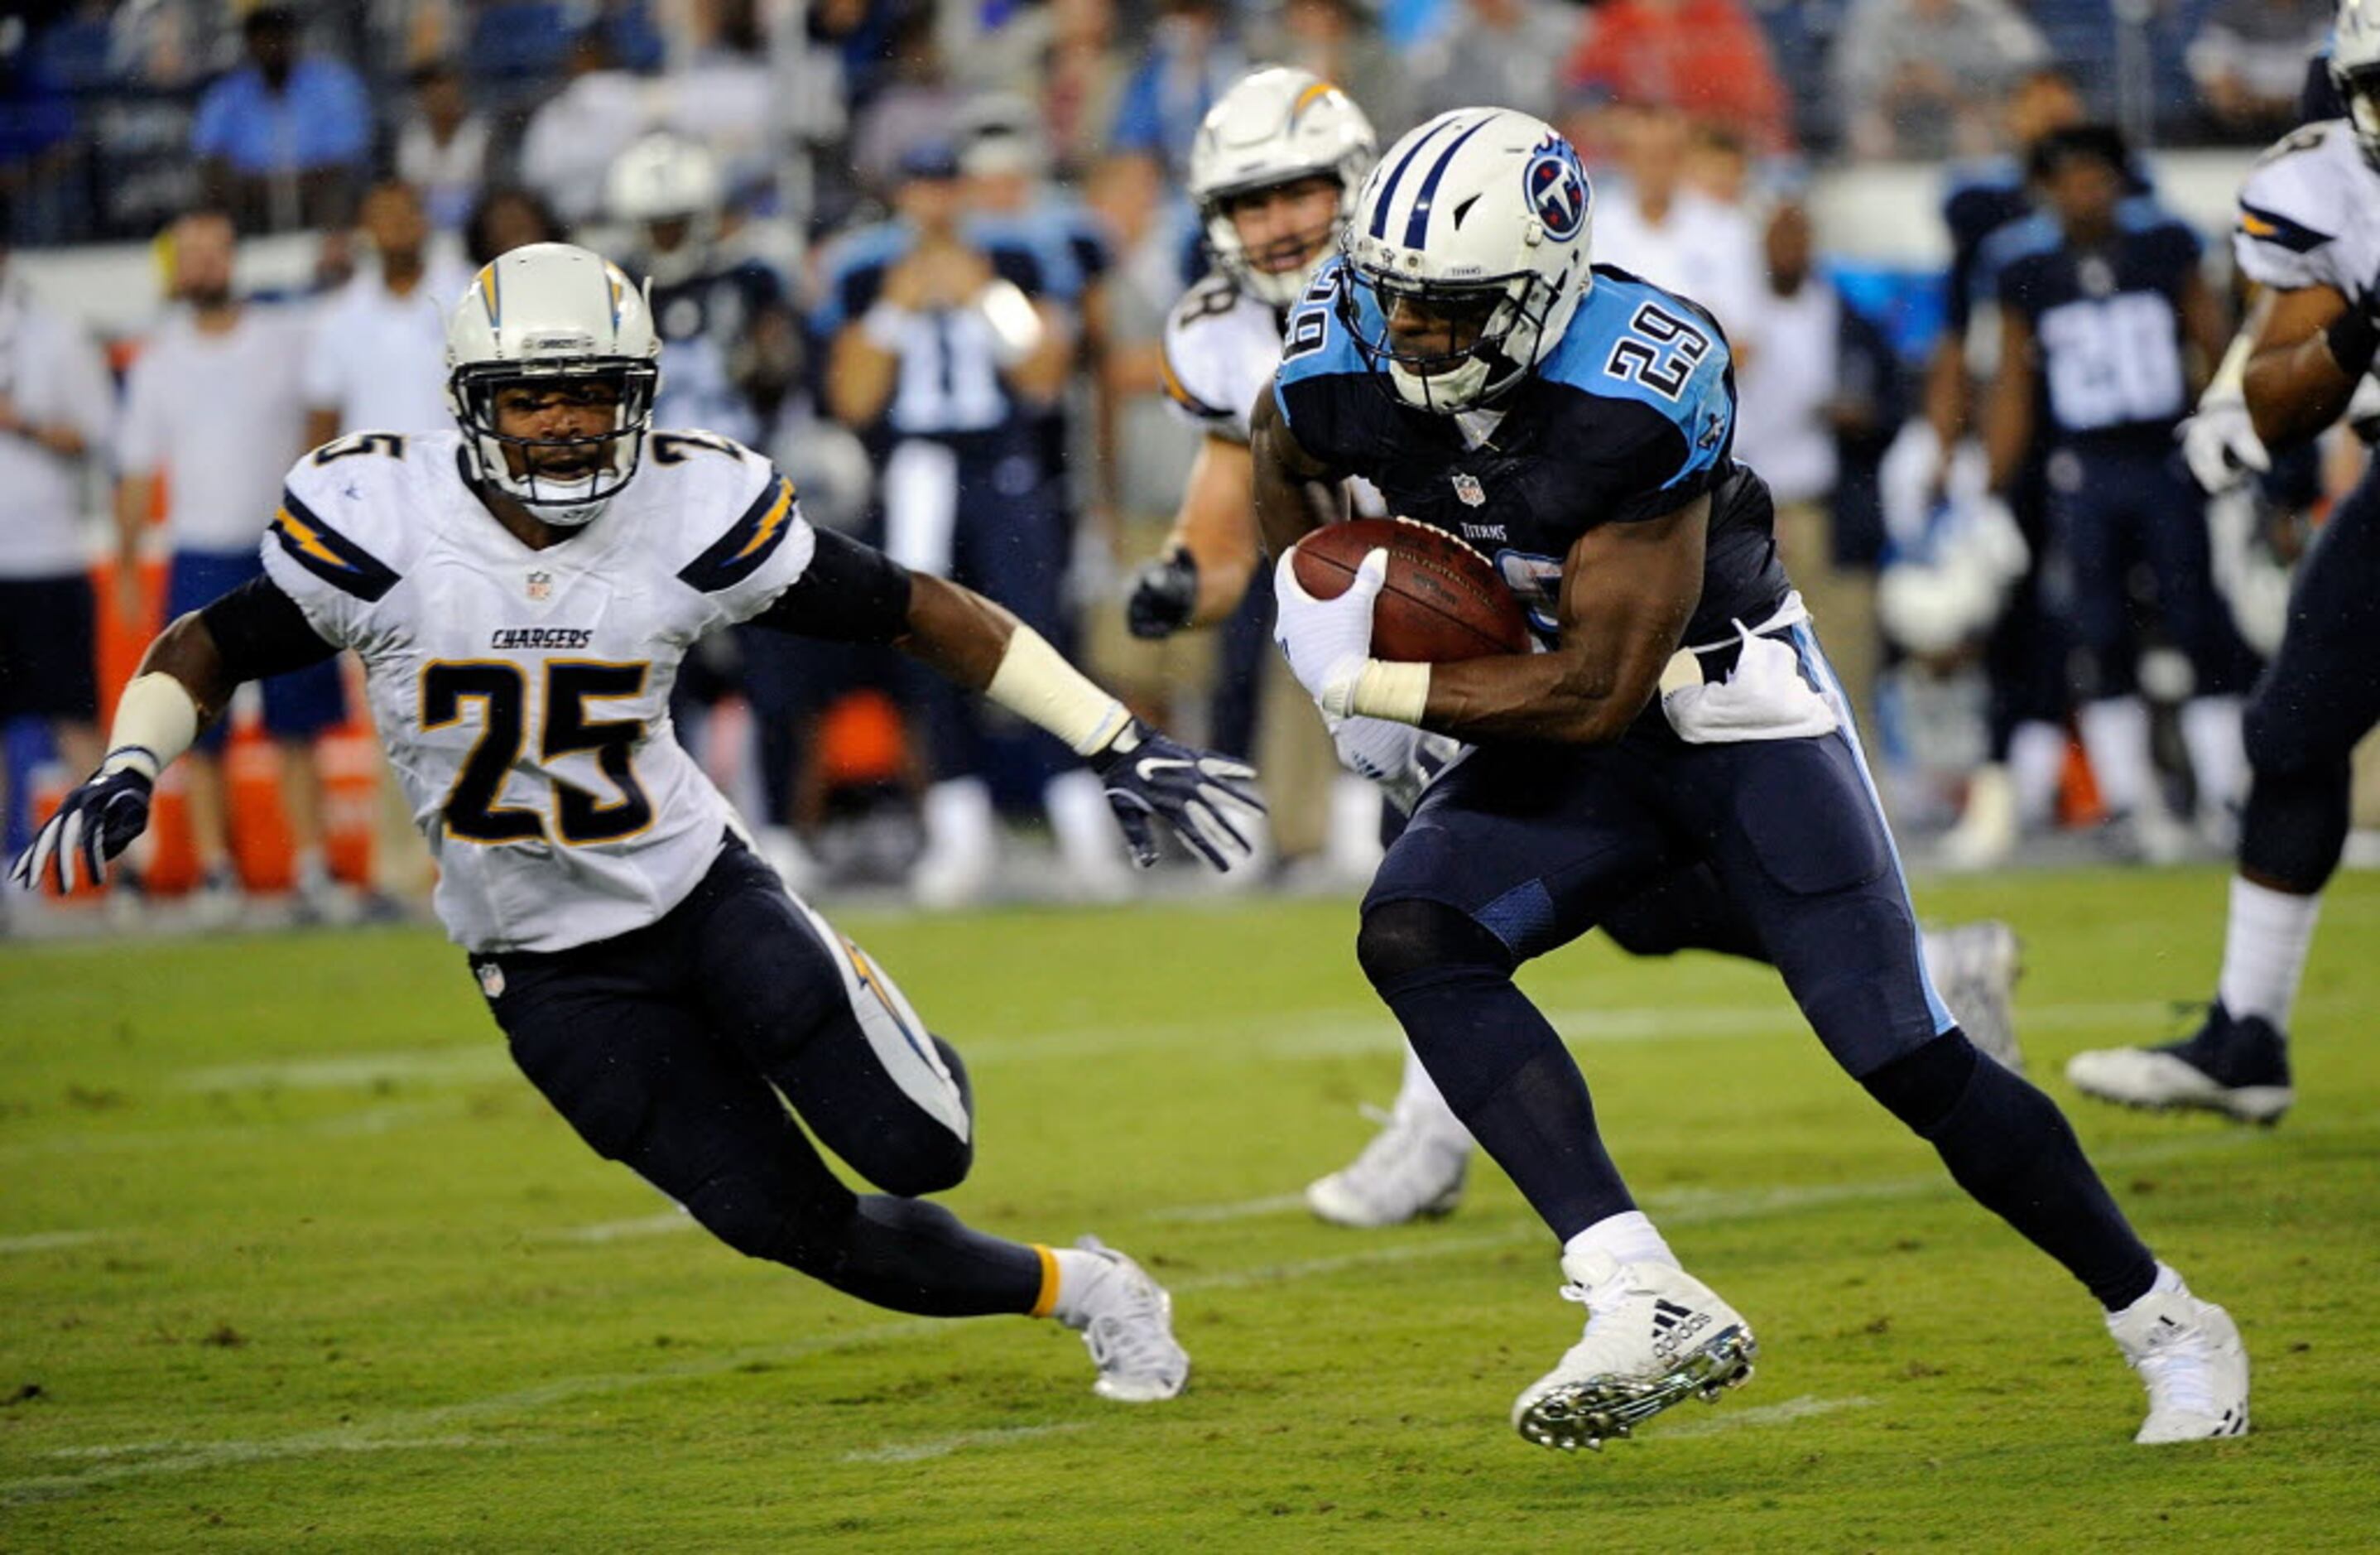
<point x="704" y="477"/>
<point x="2296" y="201"/>
<point x="1220" y="348"/>
<point x="344" y="508"/>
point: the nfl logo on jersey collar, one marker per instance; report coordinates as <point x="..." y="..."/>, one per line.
<point x="1469" y="491"/>
<point x="540" y="586"/>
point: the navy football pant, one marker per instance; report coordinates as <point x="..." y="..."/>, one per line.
<point x="675" y="1047"/>
<point x="2319" y="697"/>
<point x="2129" y="506"/>
<point x="1013" y="550"/>
<point x="1523" y="848"/>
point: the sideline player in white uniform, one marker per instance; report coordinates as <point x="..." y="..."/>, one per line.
<point x="521" y="596"/>
<point x="57" y="407"/>
<point x="2309" y="233"/>
<point x="1275" y="170"/>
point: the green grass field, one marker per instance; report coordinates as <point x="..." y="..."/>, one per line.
<point x="291" y="1259"/>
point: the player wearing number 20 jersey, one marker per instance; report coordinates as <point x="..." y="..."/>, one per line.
<point x="524" y="695"/>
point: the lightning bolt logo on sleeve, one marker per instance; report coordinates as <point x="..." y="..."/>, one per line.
<point x="738" y="553"/>
<point x="328" y="555"/>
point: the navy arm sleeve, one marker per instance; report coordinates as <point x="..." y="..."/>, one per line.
<point x="260" y="632"/>
<point x="850" y="592"/>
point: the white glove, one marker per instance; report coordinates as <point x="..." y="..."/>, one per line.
<point x="1328" y="642"/>
<point x="2220" y="445"/>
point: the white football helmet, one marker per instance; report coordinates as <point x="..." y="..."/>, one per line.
<point x="666" y="177"/>
<point x="2355" y="67"/>
<point x="1276" y="127"/>
<point x="542" y="313"/>
<point x="1481" y="216"/>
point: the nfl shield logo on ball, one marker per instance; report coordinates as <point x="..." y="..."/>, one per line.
<point x="1469" y="489"/>
<point x="540" y="586"/>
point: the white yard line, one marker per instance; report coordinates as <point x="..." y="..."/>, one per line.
<point x="418" y="1427"/>
<point x="943" y="1446"/>
<point x="47" y="1241"/>
<point x="668" y="1223"/>
<point x="1806" y="1407"/>
<point x="356" y="1071"/>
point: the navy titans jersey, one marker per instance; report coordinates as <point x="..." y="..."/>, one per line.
<point x="2107" y="322"/>
<point x="1982" y="211"/>
<point x="703" y="322"/>
<point x="1632" y="416"/>
<point x="1983" y="201"/>
<point x="948" y="385"/>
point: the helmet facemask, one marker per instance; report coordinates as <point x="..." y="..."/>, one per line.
<point x="2360" y="91"/>
<point x="1476" y="224"/>
<point x="1489" y="335"/>
<point x="1277" y="126"/>
<point x="592" y="468"/>
<point x="1250" y="272"/>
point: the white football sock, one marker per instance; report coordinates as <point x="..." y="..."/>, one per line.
<point x="1420" y="1104"/>
<point x="958" y="815"/>
<point x="2264" y="944"/>
<point x="1079" y="1274"/>
<point x="2115" y="733"/>
<point x="2167" y="1283"/>
<point x="1628" y="1237"/>
<point x="2210" y="731"/>
<point x="2036" y="764"/>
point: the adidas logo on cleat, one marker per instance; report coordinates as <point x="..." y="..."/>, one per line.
<point x="1674" y="1326"/>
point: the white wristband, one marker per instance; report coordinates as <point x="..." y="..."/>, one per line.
<point x="1395" y="690"/>
<point x="1036" y="682"/>
<point x="886" y="327"/>
<point x="155" y="722"/>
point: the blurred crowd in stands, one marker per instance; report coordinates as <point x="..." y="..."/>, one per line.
<point x="779" y="168"/>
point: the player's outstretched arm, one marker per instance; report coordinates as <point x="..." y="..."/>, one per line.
<point x="183" y="683"/>
<point x="1210" y="558"/>
<point x="853" y="593"/>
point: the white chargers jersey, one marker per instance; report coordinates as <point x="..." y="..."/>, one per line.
<point x="523" y="695"/>
<point x="1220" y="349"/>
<point x="2310" y="214"/>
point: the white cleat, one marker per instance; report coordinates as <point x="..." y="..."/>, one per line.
<point x="2238" y="1067"/>
<point x="1406" y="1173"/>
<point x="1128" y="1324"/>
<point x="1975" y="967"/>
<point x="1655" y="1336"/>
<point x="2188" y="1355"/>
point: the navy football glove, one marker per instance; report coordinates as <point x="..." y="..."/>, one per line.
<point x="1147" y="774"/>
<point x="94" y="823"/>
<point x="1163" y="594"/>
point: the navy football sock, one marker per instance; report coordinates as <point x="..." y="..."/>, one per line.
<point x="1500" y="1065"/>
<point x="914" y="1255"/>
<point x="2011" y="1148"/>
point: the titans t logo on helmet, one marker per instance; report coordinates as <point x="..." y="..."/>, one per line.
<point x="1557" y="189"/>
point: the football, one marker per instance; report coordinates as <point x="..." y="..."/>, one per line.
<point x="1442" y="600"/>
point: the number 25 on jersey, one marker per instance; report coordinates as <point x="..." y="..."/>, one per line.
<point x="474" y="811"/>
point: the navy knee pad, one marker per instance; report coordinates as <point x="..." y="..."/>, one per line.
<point x="920" y="1158"/>
<point x="2294" y="826"/>
<point x="1411" y="940"/>
<point x="1925" y="1086"/>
